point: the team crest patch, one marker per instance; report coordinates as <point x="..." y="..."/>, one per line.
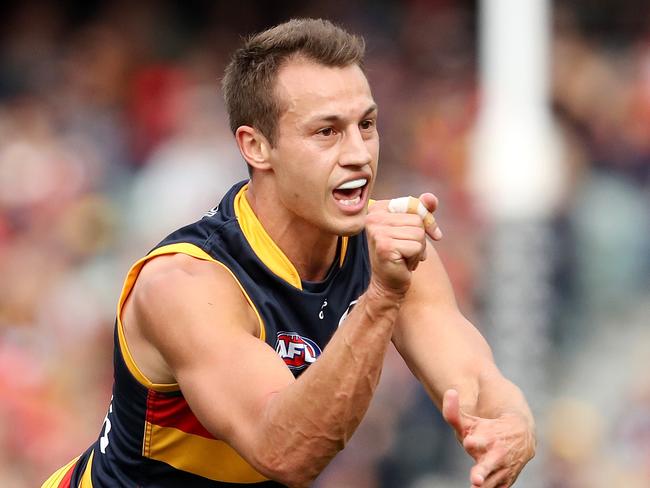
<point x="297" y="351"/>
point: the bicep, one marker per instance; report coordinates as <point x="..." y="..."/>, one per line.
<point x="200" y="322"/>
<point x="442" y="348"/>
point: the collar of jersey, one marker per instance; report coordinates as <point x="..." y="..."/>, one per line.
<point x="264" y="247"/>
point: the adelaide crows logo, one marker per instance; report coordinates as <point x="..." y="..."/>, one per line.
<point x="297" y="351"/>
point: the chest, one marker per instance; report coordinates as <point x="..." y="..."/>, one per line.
<point x="299" y="324"/>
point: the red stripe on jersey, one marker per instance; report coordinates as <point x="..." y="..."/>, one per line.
<point x="173" y="411"/>
<point x="65" y="482"/>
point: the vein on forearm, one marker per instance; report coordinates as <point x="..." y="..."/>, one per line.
<point x="316" y="416"/>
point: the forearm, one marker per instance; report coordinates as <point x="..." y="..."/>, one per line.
<point x="465" y="365"/>
<point x="308" y="423"/>
<point x="483" y="391"/>
<point x="488" y="413"/>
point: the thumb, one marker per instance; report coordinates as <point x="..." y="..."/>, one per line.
<point x="452" y="414"/>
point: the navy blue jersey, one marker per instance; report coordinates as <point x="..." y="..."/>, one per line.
<point x="150" y="437"/>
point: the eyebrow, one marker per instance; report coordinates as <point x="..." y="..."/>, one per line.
<point x="337" y="118"/>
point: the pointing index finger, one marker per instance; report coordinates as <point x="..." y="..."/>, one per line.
<point x="430" y="202"/>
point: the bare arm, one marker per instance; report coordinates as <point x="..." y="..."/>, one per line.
<point x="195" y="316"/>
<point x="445" y="351"/>
<point x="455" y="365"/>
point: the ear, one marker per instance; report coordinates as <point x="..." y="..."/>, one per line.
<point x="254" y="147"/>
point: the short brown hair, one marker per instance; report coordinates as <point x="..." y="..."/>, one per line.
<point x="249" y="80"/>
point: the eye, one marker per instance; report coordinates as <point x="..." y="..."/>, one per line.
<point x="367" y="124"/>
<point x="327" y="132"/>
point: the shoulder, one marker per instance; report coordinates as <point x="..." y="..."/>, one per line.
<point x="181" y="286"/>
<point x="158" y="271"/>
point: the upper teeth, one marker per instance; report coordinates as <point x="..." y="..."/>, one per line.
<point x="349" y="185"/>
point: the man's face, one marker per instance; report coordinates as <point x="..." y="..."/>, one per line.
<point x="327" y="146"/>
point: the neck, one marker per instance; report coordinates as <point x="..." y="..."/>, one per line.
<point x="309" y="249"/>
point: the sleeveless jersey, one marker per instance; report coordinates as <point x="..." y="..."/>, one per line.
<point x="150" y="437"/>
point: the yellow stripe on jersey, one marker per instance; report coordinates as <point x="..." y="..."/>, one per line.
<point x="86" y="480"/>
<point x="205" y="457"/>
<point x="265" y="248"/>
<point x="344" y="249"/>
<point x="54" y="480"/>
<point x="131" y="277"/>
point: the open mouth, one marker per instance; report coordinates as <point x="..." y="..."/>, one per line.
<point x="351" y="193"/>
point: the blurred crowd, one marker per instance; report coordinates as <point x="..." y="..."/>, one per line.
<point x="113" y="133"/>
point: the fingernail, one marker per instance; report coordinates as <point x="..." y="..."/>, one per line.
<point x="437" y="234"/>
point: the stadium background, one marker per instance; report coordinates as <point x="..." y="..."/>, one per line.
<point x="112" y="132"/>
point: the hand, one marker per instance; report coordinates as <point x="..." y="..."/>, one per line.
<point x="397" y="243"/>
<point x="501" y="447"/>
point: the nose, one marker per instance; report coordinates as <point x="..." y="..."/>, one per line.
<point x="354" y="149"/>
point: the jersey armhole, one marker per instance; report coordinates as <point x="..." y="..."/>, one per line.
<point x="132" y="276"/>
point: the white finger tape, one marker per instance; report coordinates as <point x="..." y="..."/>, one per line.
<point x="411" y="205"/>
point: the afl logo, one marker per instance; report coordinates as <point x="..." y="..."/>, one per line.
<point x="297" y="351"/>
